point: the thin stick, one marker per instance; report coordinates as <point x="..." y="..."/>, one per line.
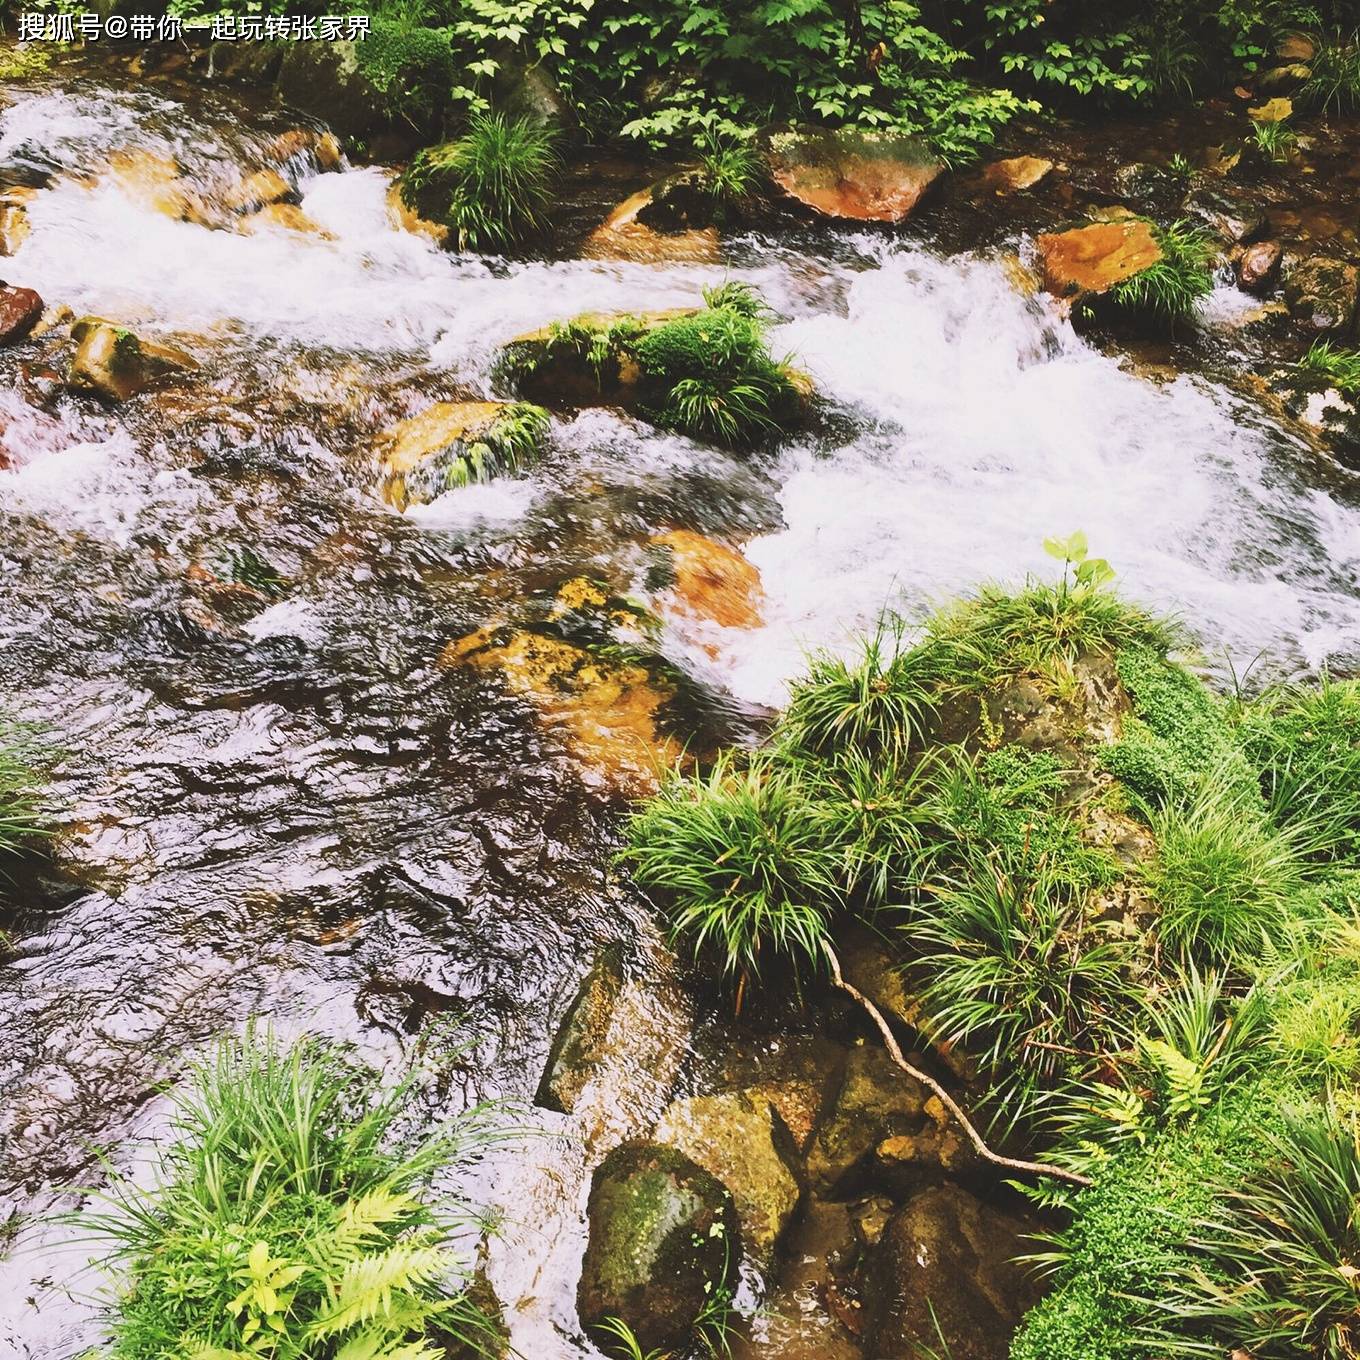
<point x="952" y="1105"/>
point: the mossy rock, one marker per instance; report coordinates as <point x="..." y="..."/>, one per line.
<point x="663" y="1236"/>
<point x="580" y="1047"/>
<point x="454" y="444"/>
<point x="113" y="363"/>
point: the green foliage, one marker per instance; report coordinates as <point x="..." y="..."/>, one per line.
<point x="492" y="186"/>
<point x="1306" y="745"/>
<point x="1333" y="85"/>
<point x="1338" y="367"/>
<point x="507" y="446"/>
<point x="743" y="861"/>
<point x="1178" y="734"/>
<point x="411" y="66"/>
<point x="732" y="170"/>
<point x="24" y="62"/>
<point x="878" y="705"/>
<point x="718" y="377"/>
<point x="1017" y="971"/>
<point x="22" y="819"/>
<point x="1168" y="290"/>
<point x="1274" y="140"/>
<point x="623" y="1341"/>
<point x="1223" y="876"/>
<point x="292" y="1218"/>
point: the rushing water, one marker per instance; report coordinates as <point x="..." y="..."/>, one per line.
<point x="298" y="813"/>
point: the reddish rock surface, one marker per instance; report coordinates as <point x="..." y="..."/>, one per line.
<point x="1093" y="259"/>
<point x="1259" y="266"/>
<point x="20" y="309"/>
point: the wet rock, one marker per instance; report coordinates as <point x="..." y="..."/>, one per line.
<point x="608" y="711"/>
<point x="305" y="144"/>
<point x="876" y="1101"/>
<point x="1282" y="79"/>
<point x="870" y="1219"/>
<point x="114" y="363"/>
<point x="452" y="444"/>
<point x="491" y="1342"/>
<point x="286" y="215"/>
<point x="655" y="225"/>
<point x="851" y="175"/>
<point x="1296" y="47"/>
<point x="1233" y="220"/>
<point x="1332" y="417"/>
<point x="1016" y="174"/>
<point x="580" y="1047"/>
<point x="247" y="63"/>
<point x="20" y="309"/>
<point x="707" y="580"/>
<point x="1321" y="295"/>
<point x="14" y="225"/>
<point x="325" y="80"/>
<point x="946" y="1262"/>
<point x="407" y="219"/>
<point x="1259" y="266"/>
<point x="525" y="89"/>
<point x="1094" y="258"/>
<point x="663" y="1234"/>
<point x="260" y="190"/>
<point x="1151" y="189"/>
<point x="732" y="1135"/>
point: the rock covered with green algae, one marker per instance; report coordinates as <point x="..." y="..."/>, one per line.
<point x="663" y="1236"/>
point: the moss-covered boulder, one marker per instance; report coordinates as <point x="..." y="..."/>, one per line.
<point x="1322" y="295"/>
<point x="735" y="1135"/>
<point x="663" y="1235"/>
<point x="581" y="1044"/>
<point x="454" y="444"/>
<point x="113" y="363"/>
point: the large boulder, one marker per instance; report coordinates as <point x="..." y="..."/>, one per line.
<point x="580" y="1047"/>
<point x="20" y="309"/>
<point x="113" y="363"/>
<point x="1321" y="294"/>
<point x="944" y="1276"/>
<point x="734" y="1135"/>
<point x="327" y="81"/>
<point x="1094" y="258"/>
<point x="849" y="174"/>
<point x="663" y="1235"/>
<point x="452" y="444"/>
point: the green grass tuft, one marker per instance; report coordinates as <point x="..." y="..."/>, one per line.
<point x="1333" y="85"/>
<point x="1339" y="368"/>
<point x="1168" y="290"/>
<point x="292" y="1217"/>
<point x="732" y="170"/>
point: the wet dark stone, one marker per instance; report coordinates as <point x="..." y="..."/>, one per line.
<point x="20" y="309"/>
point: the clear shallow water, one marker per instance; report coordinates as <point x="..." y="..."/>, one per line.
<point x="299" y="813"/>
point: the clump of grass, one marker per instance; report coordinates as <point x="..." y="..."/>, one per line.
<point x="1274" y="140"/>
<point x="731" y="169"/>
<point x="1017" y="972"/>
<point x="1338" y="367"/>
<point x="1305" y="743"/>
<point x="24" y="62"/>
<point x="507" y="446"/>
<point x="21" y="816"/>
<point x="719" y="380"/>
<point x="1168" y="290"/>
<point x="292" y="1217"/>
<point x="880" y="704"/>
<point x="1333" y="85"/>
<point x="492" y="186"/>
<point x="1223" y="876"/>
<point x="743" y="861"/>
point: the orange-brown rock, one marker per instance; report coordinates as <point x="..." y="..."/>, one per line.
<point x="14" y="225"/>
<point x="711" y="581"/>
<point x="287" y="215"/>
<point x="322" y="147"/>
<point x="407" y="219"/>
<point x="855" y="175"/>
<point x="1094" y="258"/>
<point x="260" y="190"/>
<point x="1016" y="174"/>
<point x="623" y="236"/>
<point x="150" y="179"/>
<point x="608" y="712"/>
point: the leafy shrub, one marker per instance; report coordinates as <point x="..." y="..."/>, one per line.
<point x="292" y="1217"/>
<point x="1223" y="876"/>
<point x="1017" y="972"/>
<point x="1306" y="745"/>
<point x="878" y="705"/>
<point x="1168" y="290"/>
<point x="743" y="861"/>
<point x="1340" y="368"/>
<point x="492" y="186"/>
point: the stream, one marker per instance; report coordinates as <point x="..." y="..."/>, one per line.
<point x="298" y="813"/>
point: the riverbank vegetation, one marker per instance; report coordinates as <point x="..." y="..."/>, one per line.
<point x="21" y="816"/>
<point x="1132" y="902"/>
<point x="293" y="1216"/>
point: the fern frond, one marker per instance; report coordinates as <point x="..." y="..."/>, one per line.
<point x="368" y="1285"/>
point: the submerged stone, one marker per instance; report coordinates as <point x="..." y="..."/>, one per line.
<point x="1016" y="174"/>
<point x="663" y="1235"/>
<point x="627" y="234"/>
<point x="1321" y="294"/>
<point x="708" y="580"/>
<point x="453" y="444"/>
<point x="581" y="1045"/>
<point x="849" y="174"/>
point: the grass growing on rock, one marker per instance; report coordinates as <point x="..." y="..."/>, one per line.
<point x="293" y="1217"/>
<point x="1168" y="290"/>
<point x="1334" y="365"/>
<point x="1142" y="935"/>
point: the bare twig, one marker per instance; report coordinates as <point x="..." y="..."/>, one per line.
<point x="952" y="1105"/>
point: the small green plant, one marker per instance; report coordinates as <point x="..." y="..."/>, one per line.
<point x="1169" y="289"/>
<point x="24" y="62"/>
<point x="1181" y="166"/>
<point x="1333" y="365"/>
<point x="1223" y="876"/>
<point x="1333" y="85"/>
<point x="292" y="1218"/>
<point x="22" y="820"/>
<point x="743" y="861"/>
<point x="624" y="1342"/>
<point x="731" y="169"/>
<point x="1274" y="140"/>
<point x="879" y="705"/>
<point x="492" y="186"/>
